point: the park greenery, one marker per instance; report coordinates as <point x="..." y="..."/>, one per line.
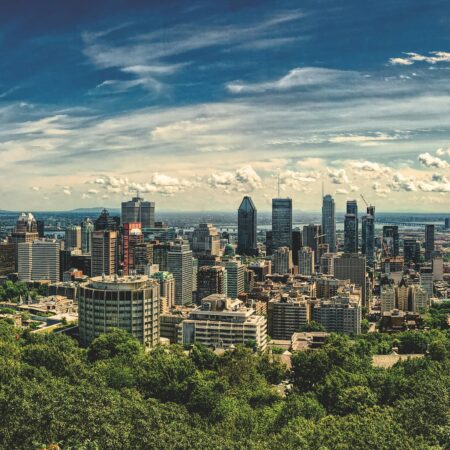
<point x="114" y="395"/>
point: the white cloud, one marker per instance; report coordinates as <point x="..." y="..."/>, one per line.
<point x="36" y="188"/>
<point x="67" y="192"/>
<point x="342" y="192"/>
<point x="244" y="179"/>
<point x="369" y="166"/>
<point x="401" y="182"/>
<point x="431" y="58"/>
<point x="338" y="176"/>
<point x="298" y="77"/>
<point x="363" y="140"/>
<point x="443" y="151"/>
<point x="429" y="160"/>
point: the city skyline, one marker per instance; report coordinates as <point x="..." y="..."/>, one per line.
<point x="196" y="105"/>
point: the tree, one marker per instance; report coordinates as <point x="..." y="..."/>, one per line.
<point x="312" y="326"/>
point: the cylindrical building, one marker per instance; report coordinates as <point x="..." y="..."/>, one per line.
<point x="129" y="302"/>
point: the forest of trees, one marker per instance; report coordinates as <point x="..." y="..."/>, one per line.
<point x="113" y="395"/>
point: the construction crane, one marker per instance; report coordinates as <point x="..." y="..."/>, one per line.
<point x="364" y="200"/>
<point x="317" y="237"/>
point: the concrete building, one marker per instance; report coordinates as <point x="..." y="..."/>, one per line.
<point x="438" y="268"/>
<point x="138" y="210"/>
<point x="224" y="323"/>
<point x="306" y="261"/>
<point x="143" y="257"/>
<point x="352" y="267"/>
<point x="247" y="222"/>
<point x="25" y="229"/>
<point x="388" y="299"/>
<point x="87" y="228"/>
<point x="281" y="222"/>
<point x="104" y="253"/>
<point x="261" y="268"/>
<point x="411" y="251"/>
<point x="166" y="282"/>
<point x="39" y="260"/>
<point x="211" y="280"/>
<point x="312" y="237"/>
<point x="429" y="242"/>
<point x="131" y="237"/>
<point x="180" y="263"/>
<point x="129" y="303"/>
<point x="327" y="263"/>
<point x="235" y="277"/>
<point x="285" y="316"/>
<point x="426" y="280"/>
<point x="339" y="315"/>
<point x="282" y="260"/>
<point x="206" y="240"/>
<point x="329" y="222"/>
<point x="419" y="299"/>
<point x="72" y="239"/>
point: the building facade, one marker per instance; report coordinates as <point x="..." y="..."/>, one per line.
<point x="281" y="222"/>
<point x="329" y="222"/>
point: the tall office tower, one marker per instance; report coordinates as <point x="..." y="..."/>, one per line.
<point x="282" y="260"/>
<point x="25" y="230"/>
<point x="73" y="237"/>
<point x="438" y="268"/>
<point x="368" y="235"/>
<point x="143" y="257"/>
<point x="297" y="244"/>
<point x="387" y="298"/>
<point x="329" y="222"/>
<point x="223" y="322"/>
<point x="327" y="263"/>
<point x="235" y="277"/>
<point x="166" y="290"/>
<point x="281" y="222"/>
<point x="339" y="314"/>
<point x="247" y="221"/>
<point x="269" y="242"/>
<point x="447" y="223"/>
<point x="105" y="222"/>
<point x="426" y="280"/>
<point x="285" y="316"/>
<point x="312" y="236"/>
<point x="160" y="254"/>
<point x="131" y="236"/>
<point x="211" y="280"/>
<point x="429" y="242"/>
<point x="87" y="228"/>
<point x="411" y="251"/>
<point x="306" y="261"/>
<point x="420" y="299"/>
<point x="104" y="253"/>
<point x="129" y="303"/>
<point x="138" y="210"/>
<point x="391" y="241"/>
<point x="40" y="224"/>
<point x="349" y="266"/>
<point x="351" y="228"/>
<point x="206" y="240"/>
<point x="179" y="262"/>
<point x="39" y="260"/>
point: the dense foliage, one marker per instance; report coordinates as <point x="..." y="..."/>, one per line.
<point x="113" y="395"/>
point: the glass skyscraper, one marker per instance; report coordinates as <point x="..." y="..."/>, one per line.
<point x="368" y="235"/>
<point x="329" y="222"/>
<point x="247" y="220"/>
<point x="281" y="222"/>
<point x="351" y="225"/>
<point x="138" y="210"/>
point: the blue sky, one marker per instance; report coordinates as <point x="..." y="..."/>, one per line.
<point x="196" y="104"/>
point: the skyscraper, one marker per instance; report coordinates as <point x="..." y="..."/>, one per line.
<point x="138" y="210"/>
<point x="329" y="222"/>
<point x="104" y="253"/>
<point x="312" y="236"/>
<point x="281" y="222"/>
<point x="297" y="244"/>
<point x="282" y="260"/>
<point x="391" y="246"/>
<point x="25" y="230"/>
<point x="211" y="280"/>
<point x="87" y="227"/>
<point x="73" y="237"/>
<point x="235" y="277"/>
<point x="131" y="237"/>
<point x="206" y="240"/>
<point x="368" y="235"/>
<point x="429" y="242"/>
<point x="247" y="221"/>
<point x="351" y="228"/>
<point x="105" y="222"/>
<point x="39" y="260"/>
<point x="180" y="263"/>
<point x="352" y="267"/>
<point x="306" y="261"/>
<point x="411" y="251"/>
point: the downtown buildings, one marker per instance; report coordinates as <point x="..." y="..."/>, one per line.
<point x="247" y="232"/>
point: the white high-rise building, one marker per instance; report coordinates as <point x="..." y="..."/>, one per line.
<point x="235" y="277"/>
<point x="39" y="260"/>
<point x="180" y="263"/>
<point x="387" y="299"/>
<point x="282" y="260"/>
<point x="306" y="261"/>
<point x="419" y="299"/>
